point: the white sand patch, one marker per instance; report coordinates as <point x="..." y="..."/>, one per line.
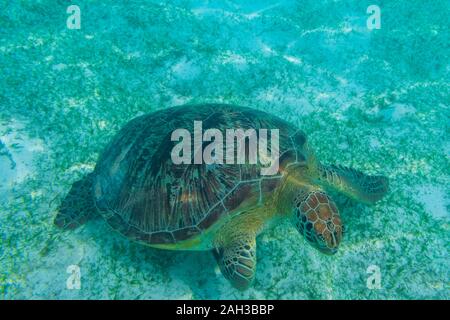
<point x="17" y="152"/>
<point x="446" y="148"/>
<point x="185" y="70"/>
<point x="231" y="58"/>
<point x="266" y="50"/>
<point x="179" y="100"/>
<point x="59" y="67"/>
<point x="288" y="99"/>
<point x="374" y="142"/>
<point x="397" y="111"/>
<point x="102" y="124"/>
<point x="84" y="167"/>
<point x="74" y="103"/>
<point x="292" y="59"/>
<point x="435" y="200"/>
<point x="329" y="31"/>
<point x="258" y="13"/>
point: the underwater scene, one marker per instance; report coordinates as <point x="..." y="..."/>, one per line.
<point x="116" y="125"/>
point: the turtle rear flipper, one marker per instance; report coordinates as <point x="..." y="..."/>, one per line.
<point x="78" y="206"/>
<point x="354" y="183"/>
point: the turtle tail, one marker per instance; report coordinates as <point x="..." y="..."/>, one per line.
<point x="353" y="183"/>
<point x="78" y="206"/>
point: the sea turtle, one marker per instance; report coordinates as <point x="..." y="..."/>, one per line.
<point x="139" y="190"/>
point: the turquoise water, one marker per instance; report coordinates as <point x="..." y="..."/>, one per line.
<point x="377" y="100"/>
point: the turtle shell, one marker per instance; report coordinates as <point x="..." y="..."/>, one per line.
<point x="146" y="197"/>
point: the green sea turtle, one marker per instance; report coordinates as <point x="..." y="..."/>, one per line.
<point x="222" y="207"/>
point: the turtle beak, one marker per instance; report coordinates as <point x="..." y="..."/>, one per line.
<point x="327" y="247"/>
<point x="328" y="252"/>
<point x="330" y="243"/>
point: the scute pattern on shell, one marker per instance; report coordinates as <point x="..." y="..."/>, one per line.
<point x="143" y="195"/>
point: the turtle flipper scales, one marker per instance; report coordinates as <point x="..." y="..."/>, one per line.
<point x="353" y="183"/>
<point x="237" y="261"/>
<point x="78" y="206"/>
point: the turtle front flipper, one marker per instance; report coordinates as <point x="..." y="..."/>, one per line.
<point x="237" y="261"/>
<point x="78" y="206"/>
<point x="353" y="183"/>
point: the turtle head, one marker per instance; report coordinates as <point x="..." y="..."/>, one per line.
<point x="316" y="217"/>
